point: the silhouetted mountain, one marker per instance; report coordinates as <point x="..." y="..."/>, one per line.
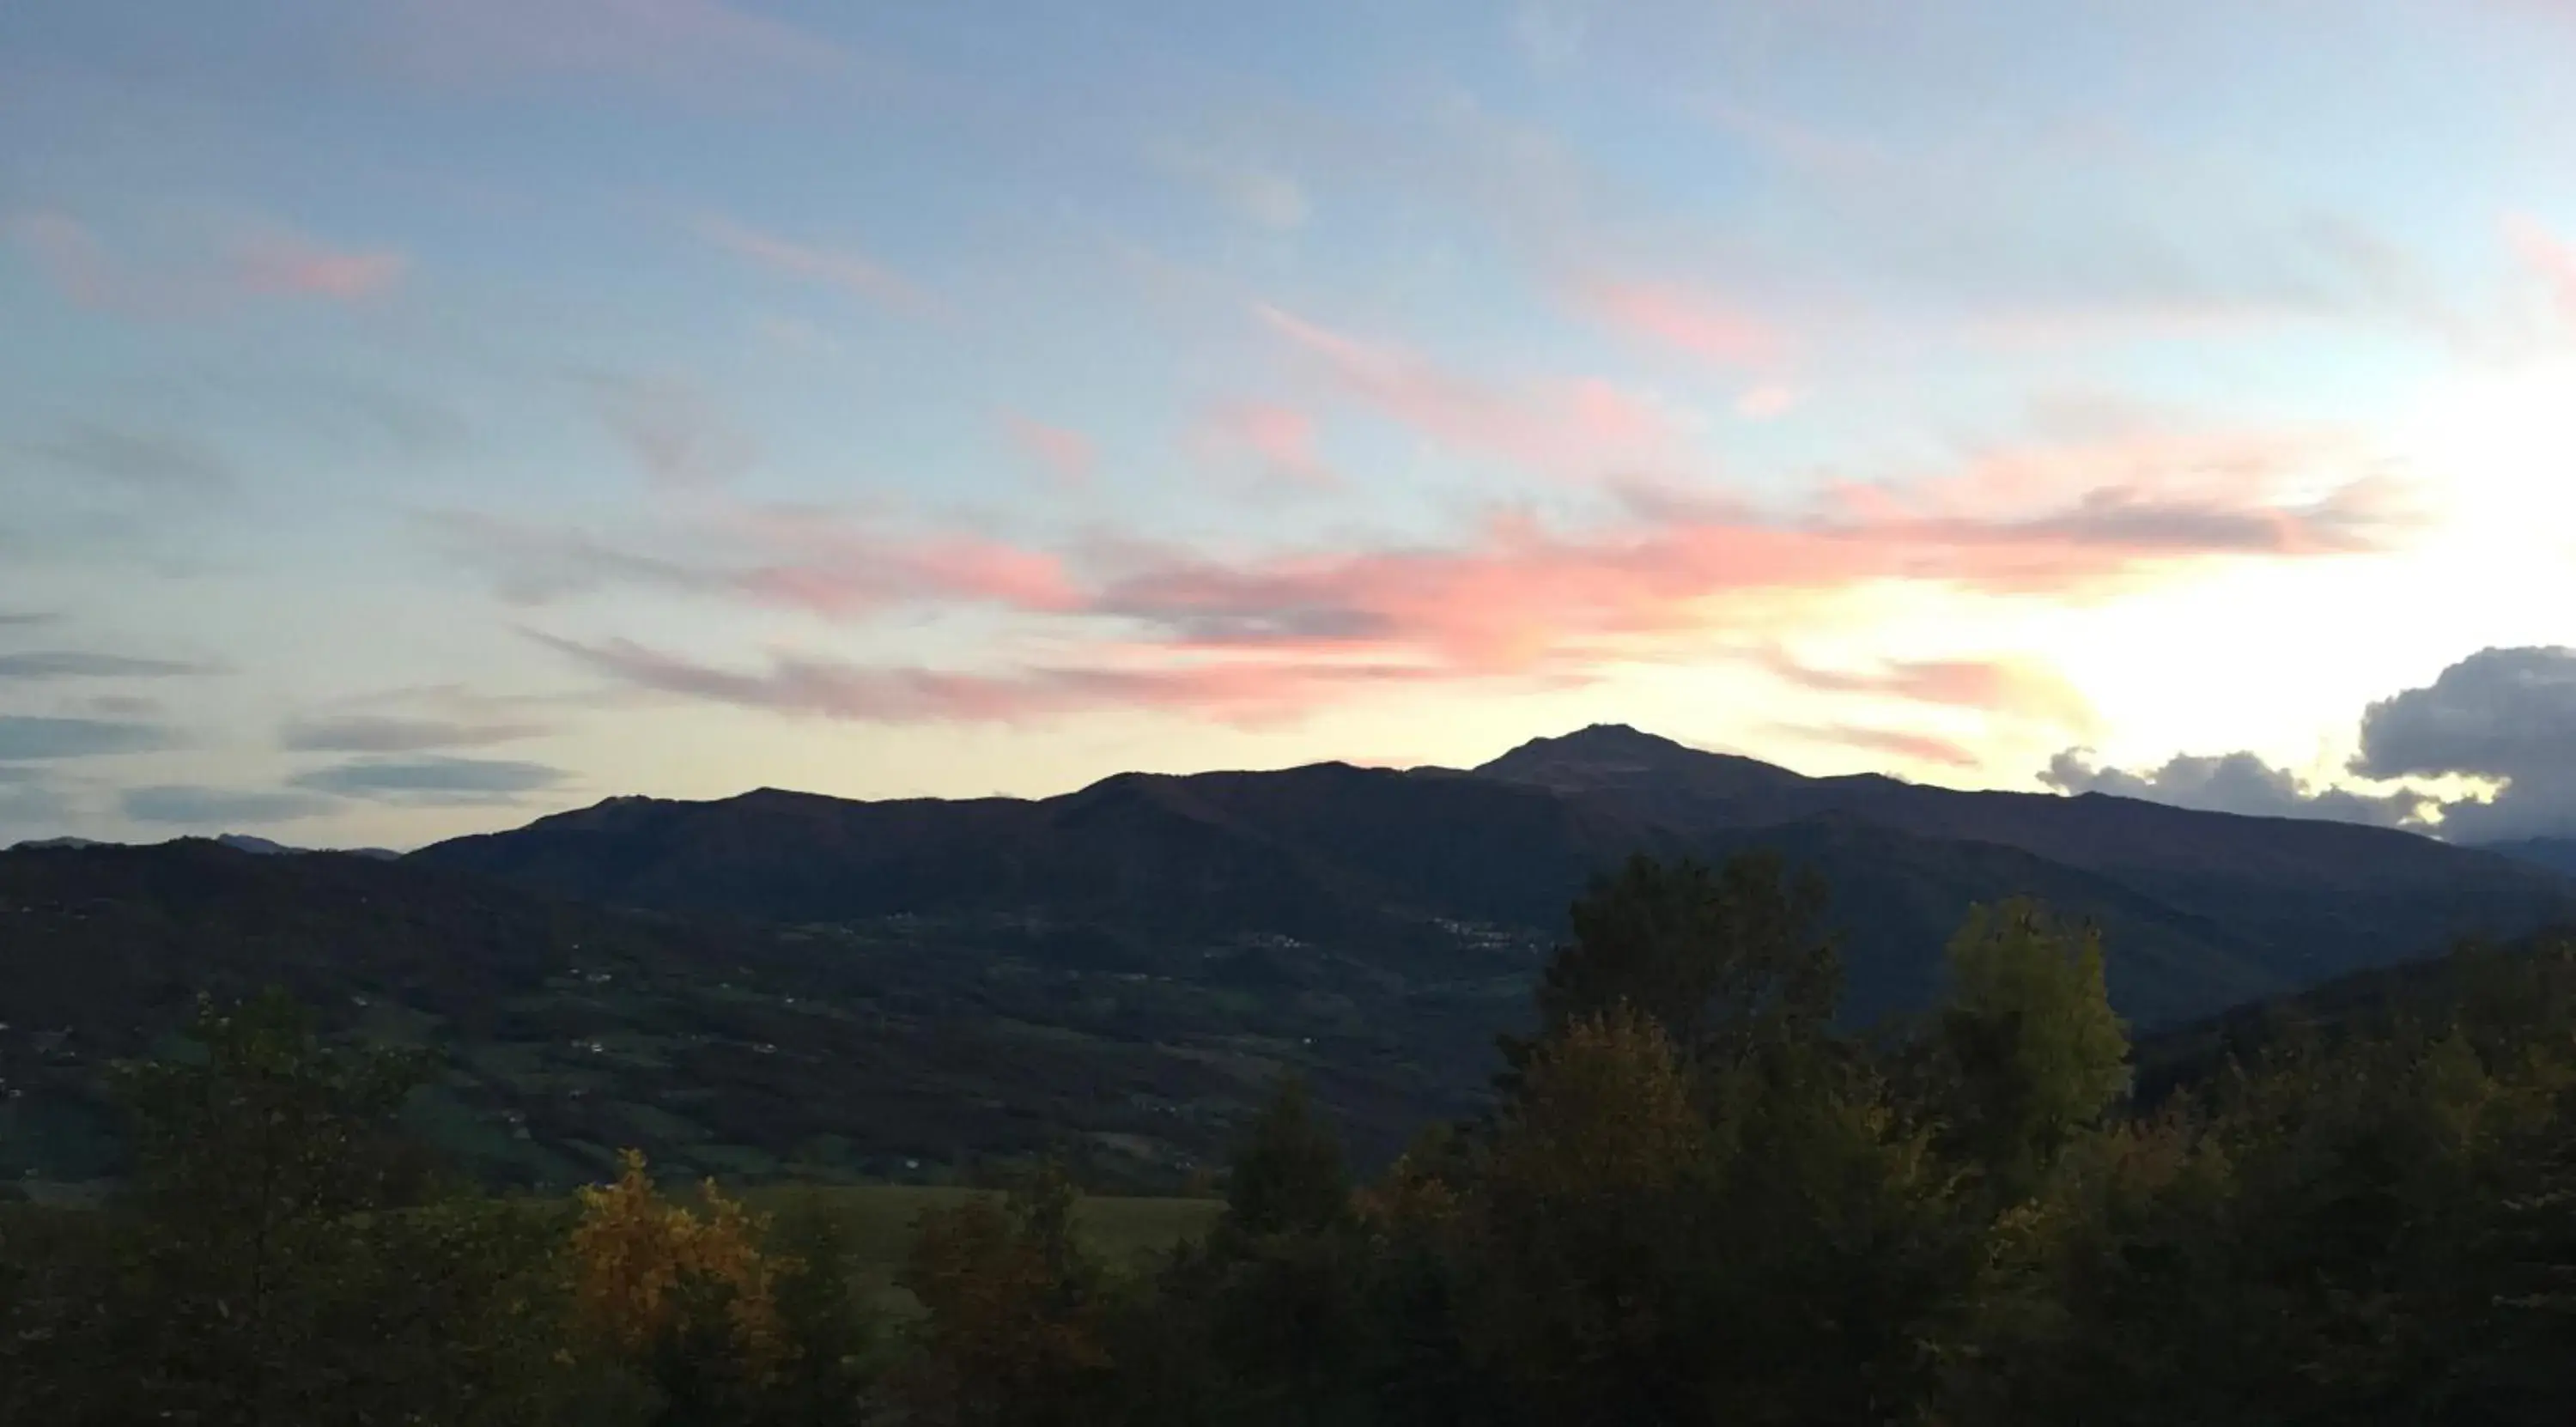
<point x="2204" y="909"/>
<point x="2558" y="854"/>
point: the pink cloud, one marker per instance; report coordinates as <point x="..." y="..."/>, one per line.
<point x="1522" y="599"/>
<point x="845" y="268"/>
<point x="2548" y="256"/>
<point x="1917" y="747"/>
<point x="1686" y="320"/>
<point x="1066" y="453"/>
<point x="775" y="557"/>
<point x="1240" y="693"/>
<point x="1582" y="428"/>
<point x="265" y="261"/>
<point x="291" y="265"/>
<point x="1770" y="399"/>
<point x="1281" y="438"/>
<point x="1992" y="686"/>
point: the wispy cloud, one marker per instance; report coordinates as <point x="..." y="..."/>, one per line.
<point x="1279" y="438"/>
<point x="782" y="558"/>
<point x="192" y="805"/>
<point x="1992" y="686"/>
<point x="1254" y="192"/>
<point x="844" y="268"/>
<point x="204" y="273"/>
<point x="684" y="43"/>
<point x="282" y="263"/>
<point x="1686" y="320"/>
<point x="2548" y="257"/>
<point x="1064" y="453"/>
<point x="1246" y="693"/>
<point x="1581" y="428"/>
<point x="87" y="664"/>
<point x="435" y="779"/>
<point x="29" y="738"/>
<point x="1916" y="747"/>
<point x="675" y="433"/>
<point x="131" y="456"/>
<point x="1659" y="574"/>
<point x="388" y="733"/>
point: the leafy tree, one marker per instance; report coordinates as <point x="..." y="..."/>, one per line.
<point x="684" y="1300"/>
<point x="1726" y="961"/>
<point x="285" y="1256"/>
<point x="2031" y="1042"/>
<point x="1014" y="1313"/>
<point x="1287" y="1175"/>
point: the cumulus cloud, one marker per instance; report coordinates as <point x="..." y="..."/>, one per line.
<point x="2232" y="783"/>
<point x="2503" y="716"/>
<point x="190" y="805"/>
<point x="431" y="779"/>
<point x="28" y="738"/>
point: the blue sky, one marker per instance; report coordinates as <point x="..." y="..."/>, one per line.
<point x="423" y="414"/>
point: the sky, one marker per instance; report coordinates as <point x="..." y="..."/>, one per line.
<point x="417" y="416"/>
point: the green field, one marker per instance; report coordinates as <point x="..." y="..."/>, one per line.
<point x="877" y="1222"/>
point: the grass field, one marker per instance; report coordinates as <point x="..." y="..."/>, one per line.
<point x="877" y="1221"/>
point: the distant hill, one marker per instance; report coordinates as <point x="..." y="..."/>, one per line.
<point x="789" y="985"/>
<point x="2558" y="854"/>
<point x="755" y="1052"/>
<point x="2203" y="909"/>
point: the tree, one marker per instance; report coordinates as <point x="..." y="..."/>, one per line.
<point x="1014" y="1312"/>
<point x="285" y="1255"/>
<point x="2033" y="1048"/>
<point x="1725" y="961"/>
<point x="684" y="1300"/>
<point x="1287" y="1175"/>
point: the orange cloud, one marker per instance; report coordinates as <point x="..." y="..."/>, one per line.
<point x="1582" y="428"/>
<point x="1064" y="452"/>
<point x="1681" y="318"/>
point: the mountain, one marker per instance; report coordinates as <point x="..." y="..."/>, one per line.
<point x="2300" y="900"/>
<point x="2202" y="910"/>
<point x="754" y="1052"/>
<point x="2558" y="854"/>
